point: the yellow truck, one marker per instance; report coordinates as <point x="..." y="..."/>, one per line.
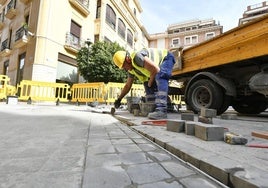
<point x="229" y="70"/>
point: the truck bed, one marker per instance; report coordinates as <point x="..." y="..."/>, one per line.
<point x="234" y="46"/>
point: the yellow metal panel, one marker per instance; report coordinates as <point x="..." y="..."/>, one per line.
<point x="43" y="91"/>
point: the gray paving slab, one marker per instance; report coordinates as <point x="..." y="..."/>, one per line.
<point x="233" y="165"/>
<point x="43" y="145"/>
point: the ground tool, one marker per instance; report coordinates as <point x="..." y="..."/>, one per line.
<point x="234" y="139"/>
<point x="155" y="122"/>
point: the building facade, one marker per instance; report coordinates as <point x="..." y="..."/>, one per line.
<point x="253" y="12"/>
<point x="186" y="34"/>
<point x="41" y="38"/>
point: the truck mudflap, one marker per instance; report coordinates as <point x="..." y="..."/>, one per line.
<point x="259" y="83"/>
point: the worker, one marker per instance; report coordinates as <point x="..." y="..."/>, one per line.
<point x="151" y="66"/>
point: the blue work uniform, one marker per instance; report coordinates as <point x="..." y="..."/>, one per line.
<point x="159" y="90"/>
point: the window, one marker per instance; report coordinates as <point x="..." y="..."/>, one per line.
<point x="110" y="16"/>
<point x="6" y="64"/>
<point x="121" y="28"/>
<point x="98" y="12"/>
<point x="129" y="37"/>
<point x="20" y="67"/>
<point x="75" y="33"/>
<point x="194" y="39"/>
<point x="175" y="42"/>
<point x="210" y="35"/>
<point x="191" y="39"/>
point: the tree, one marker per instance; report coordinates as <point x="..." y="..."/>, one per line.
<point x="96" y="63"/>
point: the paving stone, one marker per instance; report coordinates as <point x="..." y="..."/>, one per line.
<point x="189" y="152"/>
<point x="134" y="158"/>
<point x="177" y="169"/>
<point x="147" y="147"/>
<point x="209" y="132"/>
<point x="204" y="119"/>
<point x="101" y="148"/>
<point x="126" y="148"/>
<point x="106" y="177"/>
<point x="146" y="173"/>
<point x="197" y="182"/>
<point x="248" y="177"/>
<point x="187" y="116"/>
<point x="190" y="127"/>
<point x="102" y="160"/>
<point x="159" y="155"/>
<point x="210" y="113"/>
<point x="176" y="125"/>
<point x="161" y="138"/>
<point x="122" y="141"/>
<point x="218" y="167"/>
<point x="162" y="184"/>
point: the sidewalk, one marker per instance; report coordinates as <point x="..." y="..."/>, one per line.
<point x="68" y="146"/>
<point x="233" y="165"/>
<point x="44" y="145"/>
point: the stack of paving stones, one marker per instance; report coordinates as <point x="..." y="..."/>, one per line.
<point x="203" y="129"/>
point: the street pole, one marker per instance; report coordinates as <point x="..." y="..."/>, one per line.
<point x="88" y="43"/>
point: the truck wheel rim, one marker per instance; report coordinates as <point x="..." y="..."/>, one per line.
<point x="202" y="97"/>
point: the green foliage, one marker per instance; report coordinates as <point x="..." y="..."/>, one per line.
<point x="96" y="64"/>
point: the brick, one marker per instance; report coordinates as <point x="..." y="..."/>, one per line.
<point x="176" y="125"/>
<point x="136" y="112"/>
<point x="205" y="120"/>
<point x="187" y="116"/>
<point x="209" y="113"/>
<point x="209" y="132"/>
<point x="190" y="127"/>
<point x="146" y="108"/>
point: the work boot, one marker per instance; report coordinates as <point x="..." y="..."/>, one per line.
<point x="157" y="115"/>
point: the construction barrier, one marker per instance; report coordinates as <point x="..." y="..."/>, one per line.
<point x="43" y="91"/>
<point x="108" y="93"/>
<point x="6" y="89"/>
<point x="82" y="92"/>
<point x="88" y="92"/>
<point x="114" y="89"/>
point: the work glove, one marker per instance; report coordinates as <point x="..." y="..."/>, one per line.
<point x="117" y="103"/>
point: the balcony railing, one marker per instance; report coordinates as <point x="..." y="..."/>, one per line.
<point x="5" y="45"/>
<point x="11" y="10"/>
<point x="21" y="38"/>
<point x="5" y="49"/>
<point x="72" y="43"/>
<point x="81" y="5"/>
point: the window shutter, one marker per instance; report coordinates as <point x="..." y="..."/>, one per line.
<point x="75" y="29"/>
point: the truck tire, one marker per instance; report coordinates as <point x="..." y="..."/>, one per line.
<point x="205" y="93"/>
<point x="250" y="104"/>
<point x="225" y="104"/>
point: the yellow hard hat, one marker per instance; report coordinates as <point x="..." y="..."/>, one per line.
<point x="119" y="58"/>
